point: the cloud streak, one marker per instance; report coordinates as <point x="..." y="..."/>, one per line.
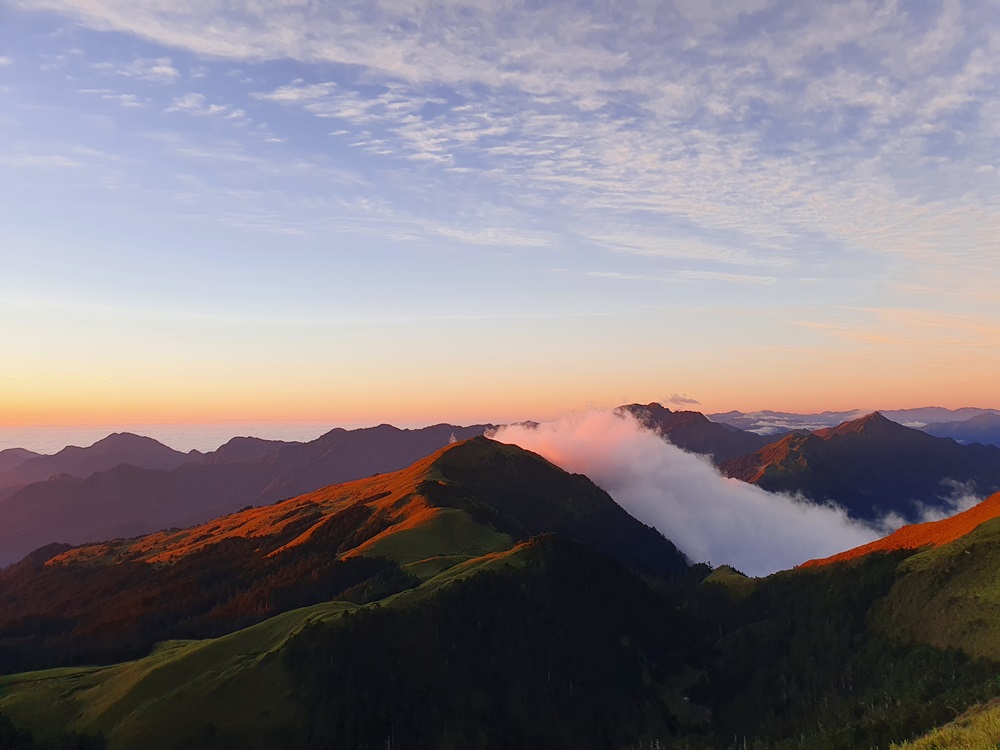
<point x="709" y="517"/>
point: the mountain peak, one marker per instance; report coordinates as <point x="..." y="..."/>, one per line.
<point x="874" y="424"/>
<point x="694" y="432"/>
<point x="117" y="440"/>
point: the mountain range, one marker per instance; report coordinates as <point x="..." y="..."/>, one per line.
<point x="126" y="485"/>
<point x="694" y="432"/>
<point x="117" y="448"/>
<point x="484" y="598"/>
<point x="935" y="420"/>
<point x="135" y="497"/>
<point x="982" y="428"/>
<point x="872" y="467"/>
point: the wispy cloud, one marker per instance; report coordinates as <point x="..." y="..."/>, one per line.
<point x="913" y="328"/>
<point x="679" y="399"/>
<point x="830" y="155"/>
<point x="39" y="161"/>
<point x="156" y="70"/>
<point x="196" y="104"/>
<point x="709" y="518"/>
<point x="124" y="100"/>
<point x="783" y="126"/>
<point x="682" y="276"/>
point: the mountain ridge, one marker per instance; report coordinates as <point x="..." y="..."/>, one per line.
<point x="916" y="536"/>
<point x="74" y="510"/>
<point x="358" y="541"/>
<point x="871" y="466"/>
<point x="105" y="454"/>
<point x="694" y="432"/>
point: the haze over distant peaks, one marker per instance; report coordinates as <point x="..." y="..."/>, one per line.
<point x="768" y="422"/>
<point x="13" y="457"/>
<point x="982" y="428"/>
<point x="872" y="466"/>
<point x="117" y="448"/>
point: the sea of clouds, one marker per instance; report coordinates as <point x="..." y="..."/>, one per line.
<point x="711" y="518"/>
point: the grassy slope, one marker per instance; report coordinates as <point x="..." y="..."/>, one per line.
<point x="949" y="596"/>
<point x="236" y="680"/>
<point x="443" y="537"/>
<point x="976" y="729"/>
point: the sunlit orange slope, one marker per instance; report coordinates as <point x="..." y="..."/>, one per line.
<point x="393" y="497"/>
<point x="932" y="534"/>
<point x="470" y="498"/>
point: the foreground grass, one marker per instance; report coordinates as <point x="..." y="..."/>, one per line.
<point x="976" y="729"/>
<point x="185" y="689"/>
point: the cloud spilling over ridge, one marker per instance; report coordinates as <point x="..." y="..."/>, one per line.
<point x="709" y="517"/>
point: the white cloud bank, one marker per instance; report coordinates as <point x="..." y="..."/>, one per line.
<point x="709" y="517"/>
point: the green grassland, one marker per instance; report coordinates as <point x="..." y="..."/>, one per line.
<point x="948" y="596"/>
<point x="149" y="703"/>
<point x="238" y="680"/>
<point x="976" y="729"/>
<point x="448" y="533"/>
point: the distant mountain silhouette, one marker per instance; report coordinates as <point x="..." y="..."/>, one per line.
<point x="767" y="422"/>
<point x="127" y="500"/>
<point x="694" y="432"/>
<point x="117" y="448"/>
<point x="14" y="457"/>
<point x="871" y="466"/>
<point x="240" y="449"/>
<point x="982" y="428"/>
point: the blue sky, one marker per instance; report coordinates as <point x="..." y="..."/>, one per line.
<point x="446" y="210"/>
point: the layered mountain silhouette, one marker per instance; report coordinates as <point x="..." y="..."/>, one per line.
<point x="117" y="448"/>
<point x="482" y="597"/>
<point x="871" y="466"/>
<point x="358" y="541"/>
<point x="982" y="428"/>
<point x="768" y="422"/>
<point x="13" y="457"/>
<point x="694" y="432"/>
<point x="128" y="500"/>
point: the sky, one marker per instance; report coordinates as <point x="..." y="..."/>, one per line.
<point x="412" y="212"/>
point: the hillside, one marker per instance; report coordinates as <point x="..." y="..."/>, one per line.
<point x="871" y="466"/>
<point x="484" y="598"/>
<point x="357" y="541"/>
<point x="129" y="500"/>
<point x="545" y="644"/>
<point x="916" y="536"/>
<point x="510" y="654"/>
<point x="948" y="596"/>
